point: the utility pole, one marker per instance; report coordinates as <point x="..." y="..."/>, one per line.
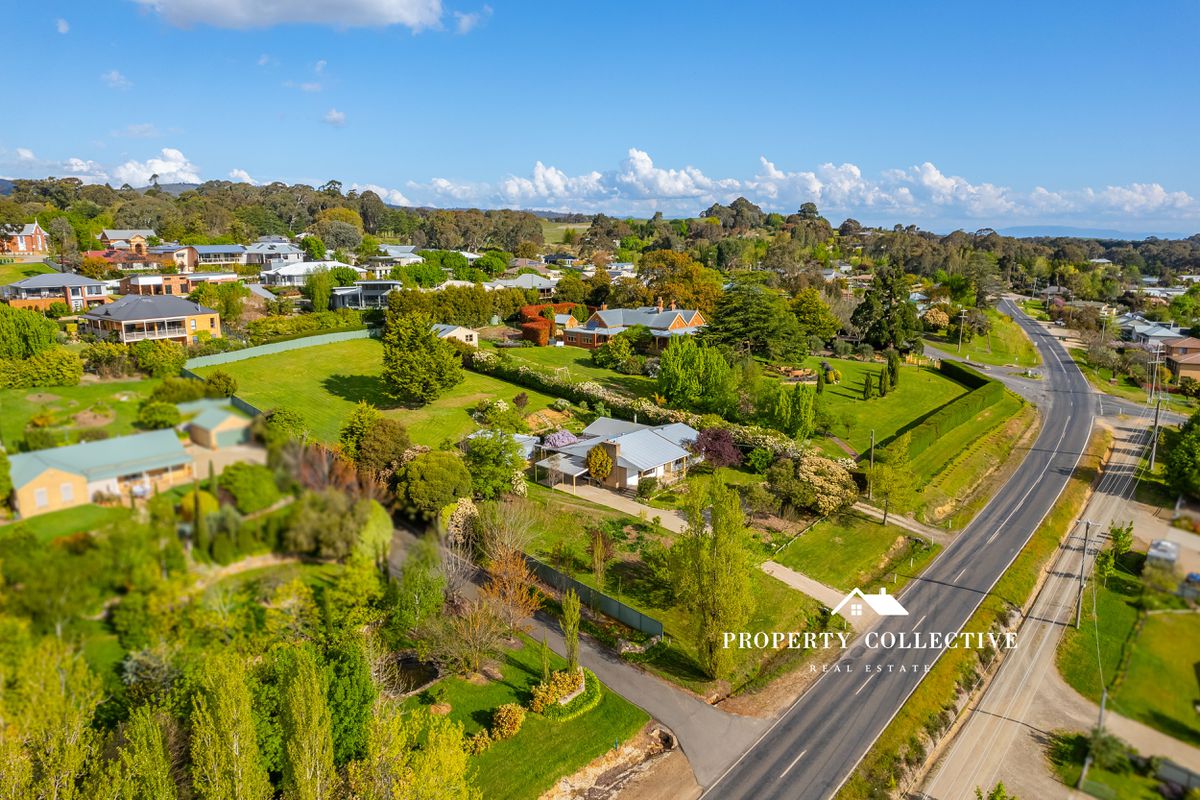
<point x="1154" y="369"/>
<point x="871" y="474"/>
<point x="1082" y="563"/>
<point x="1087" y="762"/>
<point x="962" y="318"/>
<point x="1154" y="436"/>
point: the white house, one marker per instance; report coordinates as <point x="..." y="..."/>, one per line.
<point x="637" y="452"/>
<point x="272" y="254"/>
<point x="458" y="332"/>
<point x="295" y="273"/>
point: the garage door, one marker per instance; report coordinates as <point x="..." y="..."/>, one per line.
<point x="233" y="437"/>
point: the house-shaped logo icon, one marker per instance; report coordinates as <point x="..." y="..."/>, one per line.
<point x="882" y="604"/>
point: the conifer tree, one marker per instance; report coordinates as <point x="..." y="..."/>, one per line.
<point x="225" y="754"/>
<point x="308" y="772"/>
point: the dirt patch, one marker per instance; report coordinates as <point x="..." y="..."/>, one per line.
<point x="125" y="397"/>
<point x="548" y="418"/>
<point x="42" y="398"/>
<point x="612" y="774"/>
<point x="477" y="679"/>
<point x="93" y="419"/>
<point x="783" y="691"/>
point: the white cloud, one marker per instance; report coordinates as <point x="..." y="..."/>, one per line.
<point x="138" y="130"/>
<point x="61" y="25"/>
<point x="921" y="194"/>
<point x="305" y="86"/>
<point x="241" y="14"/>
<point x="241" y="176"/>
<point x="25" y="154"/>
<point x="467" y="21"/>
<point x="263" y="60"/>
<point x="319" y="67"/>
<point x="171" y="166"/>
<point x="335" y="117"/>
<point x="391" y="196"/>
<point x="115" y="80"/>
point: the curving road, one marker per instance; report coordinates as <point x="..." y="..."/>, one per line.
<point x="815" y="745"/>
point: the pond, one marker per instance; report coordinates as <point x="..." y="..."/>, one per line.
<point x="412" y="674"/>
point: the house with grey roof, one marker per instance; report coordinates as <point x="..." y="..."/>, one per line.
<point x="63" y="477"/>
<point x="638" y="452"/>
<point x="24" y="242"/>
<point x="219" y="255"/>
<point x="541" y="284"/>
<point x="272" y="254"/>
<point x="134" y="239"/>
<point x="295" y="273"/>
<point x="665" y="324"/>
<point x="39" y="292"/>
<point x="456" y="332"/>
<point x="135" y="317"/>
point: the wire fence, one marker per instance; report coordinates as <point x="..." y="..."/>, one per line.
<point x="278" y="347"/>
<point x="595" y="600"/>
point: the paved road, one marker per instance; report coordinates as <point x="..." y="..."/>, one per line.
<point x="815" y="745"/>
<point x="1003" y="714"/>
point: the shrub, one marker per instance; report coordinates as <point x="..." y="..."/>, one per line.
<point x="187" y="504"/>
<point x="588" y="699"/>
<point x="159" y="358"/>
<point x="220" y="384"/>
<point x="507" y="721"/>
<point x="275" y="327"/>
<point x="223" y="551"/>
<point x="25" y="333"/>
<point x="40" y="439"/>
<point x="547" y="694"/>
<point x="479" y="742"/>
<point x="178" y="390"/>
<point x="252" y="486"/>
<point x="760" y="460"/>
<point x="156" y="416"/>
<point x="108" y="359"/>
<point x="561" y="404"/>
<point x="93" y="435"/>
<point x="57" y="366"/>
<point x="647" y="487"/>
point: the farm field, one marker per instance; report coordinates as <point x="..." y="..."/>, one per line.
<point x="112" y="406"/>
<point x="553" y="232"/>
<point x="324" y="383"/>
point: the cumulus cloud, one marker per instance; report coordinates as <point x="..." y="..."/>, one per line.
<point x="467" y="21"/>
<point x="922" y="193"/>
<point x="391" y="196"/>
<point x="62" y="26"/>
<point x="171" y="166"/>
<point x="335" y="117"/>
<point x="241" y="176"/>
<point x="242" y="14"/>
<point x="25" y="154"/>
<point x="115" y="80"/>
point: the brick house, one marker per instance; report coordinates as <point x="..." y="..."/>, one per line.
<point x="39" y="292"/>
<point x="665" y="324"/>
<point x="24" y="241"/>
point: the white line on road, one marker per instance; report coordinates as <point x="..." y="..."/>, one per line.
<point x="868" y="680"/>
<point x="794" y="760"/>
<point x="960" y="574"/>
<point x="922" y="619"/>
<point x="992" y="538"/>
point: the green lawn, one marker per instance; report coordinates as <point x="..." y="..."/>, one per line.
<point x="11" y="273"/>
<point x="850" y="550"/>
<point x="48" y="527"/>
<point x="1035" y="309"/>
<point x="1004" y="344"/>
<point x="251" y="583"/>
<point x="675" y="495"/>
<point x="1067" y="752"/>
<point x="1161" y="682"/>
<point x="1122" y="386"/>
<point x="323" y="384"/>
<point x="553" y="232"/>
<point x="919" y="392"/>
<point x="579" y="366"/>
<point x="524" y="767"/>
<point x="112" y="406"/>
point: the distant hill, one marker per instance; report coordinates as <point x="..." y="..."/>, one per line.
<point x="1029" y="231"/>
<point x="173" y="189"/>
<point x="6" y="186"/>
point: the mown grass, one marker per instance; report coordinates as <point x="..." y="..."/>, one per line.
<point x="524" y="767"/>
<point x="68" y="521"/>
<point x="884" y="761"/>
<point x="11" y="273"/>
<point x="1067" y="752"/>
<point x="675" y="495"/>
<point x="324" y="383"/>
<point x="579" y="367"/>
<point x="552" y="232"/>
<point x="117" y="400"/>
<point x="1006" y="343"/>
<point x="850" y="549"/>
<point x="919" y="392"/>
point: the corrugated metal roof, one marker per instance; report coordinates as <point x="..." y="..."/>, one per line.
<point x="133" y="307"/>
<point x="108" y="458"/>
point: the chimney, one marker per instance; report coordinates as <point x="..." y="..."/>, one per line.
<point x="604" y="306"/>
<point x="658" y="304"/>
<point x="672" y="305"/>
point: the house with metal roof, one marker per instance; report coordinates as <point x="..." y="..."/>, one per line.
<point x="39" y="292"/>
<point x="272" y="254"/>
<point x="665" y="324"/>
<point x="219" y="255"/>
<point x="539" y="283"/>
<point x="135" y="239"/>
<point x="215" y="424"/>
<point x="295" y="273"/>
<point x="457" y="332"/>
<point x="637" y="451"/>
<point x="135" y="317"/>
<point x="63" y="477"/>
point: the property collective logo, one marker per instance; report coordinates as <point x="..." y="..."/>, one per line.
<point x="860" y="609"/>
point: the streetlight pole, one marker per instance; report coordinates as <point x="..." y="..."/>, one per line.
<point x="962" y="318"/>
<point x="1082" y="564"/>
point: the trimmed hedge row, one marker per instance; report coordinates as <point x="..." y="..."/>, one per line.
<point x="984" y="393"/>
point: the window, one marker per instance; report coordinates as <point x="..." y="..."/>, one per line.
<point x="212" y="322"/>
<point x="41" y="498"/>
<point x="856" y="609"/>
<point x="66" y="493"/>
<point x="193" y="323"/>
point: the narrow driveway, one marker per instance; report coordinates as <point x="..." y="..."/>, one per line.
<point x="828" y="596"/>
<point x="671" y="520"/>
<point x="936" y="535"/>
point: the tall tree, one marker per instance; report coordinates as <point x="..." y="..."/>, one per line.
<point x="143" y="763"/>
<point x="570" y="627"/>
<point x="308" y="772"/>
<point x="756" y="320"/>
<point x="417" y="365"/>
<point x="712" y="574"/>
<point x="414" y="757"/>
<point x="814" y="316"/>
<point x="225" y="754"/>
<point x="886" y="317"/>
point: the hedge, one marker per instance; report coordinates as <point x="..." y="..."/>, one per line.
<point x="984" y="393"/>
<point x="57" y="366"/>
<point x="588" y="699"/>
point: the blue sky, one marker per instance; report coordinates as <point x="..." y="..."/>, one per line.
<point x="930" y="113"/>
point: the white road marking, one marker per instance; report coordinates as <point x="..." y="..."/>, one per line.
<point x="922" y="619"/>
<point x="868" y="680"/>
<point x="960" y="574"/>
<point x="794" y="760"/>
